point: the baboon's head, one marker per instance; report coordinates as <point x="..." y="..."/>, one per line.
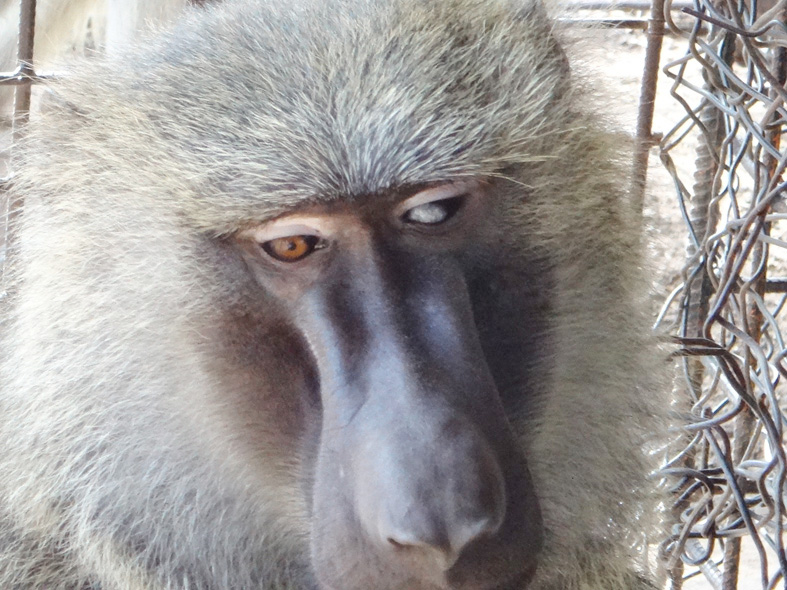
<point x="301" y="277"/>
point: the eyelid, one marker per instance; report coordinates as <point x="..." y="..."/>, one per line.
<point x="284" y="229"/>
<point x="438" y="193"/>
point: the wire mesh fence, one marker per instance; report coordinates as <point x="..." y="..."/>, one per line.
<point x="728" y="312"/>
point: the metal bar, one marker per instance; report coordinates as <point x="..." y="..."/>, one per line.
<point x="27" y="18"/>
<point x="647" y="99"/>
<point x="20" y="77"/>
<point x="26" y="73"/>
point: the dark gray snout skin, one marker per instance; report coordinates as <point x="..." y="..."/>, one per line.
<point x="417" y="468"/>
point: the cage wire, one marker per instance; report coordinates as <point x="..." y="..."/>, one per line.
<point x="728" y="312"/>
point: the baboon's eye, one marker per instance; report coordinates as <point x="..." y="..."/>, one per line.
<point x="434" y="212"/>
<point x="292" y="248"/>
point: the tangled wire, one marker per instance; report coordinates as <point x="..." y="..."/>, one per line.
<point x="727" y="311"/>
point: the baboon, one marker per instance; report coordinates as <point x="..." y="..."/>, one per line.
<point x="326" y="295"/>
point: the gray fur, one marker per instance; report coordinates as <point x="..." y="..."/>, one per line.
<point x="123" y="463"/>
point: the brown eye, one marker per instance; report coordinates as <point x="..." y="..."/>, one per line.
<point x="291" y="248"/>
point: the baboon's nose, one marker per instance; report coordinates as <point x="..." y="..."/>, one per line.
<point x="431" y="504"/>
<point x="427" y="538"/>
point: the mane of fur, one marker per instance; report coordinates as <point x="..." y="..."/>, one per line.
<point x="236" y="115"/>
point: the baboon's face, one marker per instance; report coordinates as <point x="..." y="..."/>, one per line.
<point x="416" y="481"/>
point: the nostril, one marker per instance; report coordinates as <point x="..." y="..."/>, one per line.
<point x="435" y="551"/>
<point x="440" y="541"/>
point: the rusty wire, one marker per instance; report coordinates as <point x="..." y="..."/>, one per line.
<point x="728" y="311"/>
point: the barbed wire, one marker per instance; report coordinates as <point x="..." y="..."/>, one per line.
<point x="728" y="312"/>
